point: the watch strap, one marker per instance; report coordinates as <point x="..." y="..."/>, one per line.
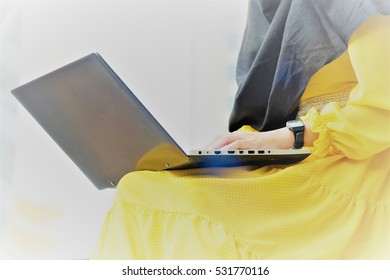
<point x="297" y="127"/>
<point x="298" y="143"/>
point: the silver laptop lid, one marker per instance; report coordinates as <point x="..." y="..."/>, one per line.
<point x="98" y="122"/>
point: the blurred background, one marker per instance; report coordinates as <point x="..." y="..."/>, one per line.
<point x="178" y="57"/>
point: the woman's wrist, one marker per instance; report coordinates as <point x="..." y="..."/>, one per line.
<point x="286" y="137"/>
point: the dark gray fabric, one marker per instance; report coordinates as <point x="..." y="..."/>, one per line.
<point x="285" y="42"/>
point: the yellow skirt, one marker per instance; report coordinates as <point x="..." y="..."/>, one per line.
<point x="330" y="208"/>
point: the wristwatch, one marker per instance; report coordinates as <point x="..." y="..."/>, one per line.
<point x="298" y="128"/>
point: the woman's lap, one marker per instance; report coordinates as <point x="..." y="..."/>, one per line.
<point x="315" y="209"/>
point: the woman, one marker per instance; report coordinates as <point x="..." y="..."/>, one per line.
<point x="325" y="62"/>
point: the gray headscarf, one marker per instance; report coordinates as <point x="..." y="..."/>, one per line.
<point x="285" y="43"/>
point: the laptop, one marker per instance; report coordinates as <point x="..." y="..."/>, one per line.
<point x="107" y="132"/>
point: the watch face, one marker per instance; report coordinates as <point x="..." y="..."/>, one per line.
<point x="295" y="123"/>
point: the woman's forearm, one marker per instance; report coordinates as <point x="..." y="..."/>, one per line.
<point x="309" y="135"/>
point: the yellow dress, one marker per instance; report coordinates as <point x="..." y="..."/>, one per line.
<point x="333" y="205"/>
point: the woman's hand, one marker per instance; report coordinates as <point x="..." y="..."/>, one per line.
<point x="281" y="138"/>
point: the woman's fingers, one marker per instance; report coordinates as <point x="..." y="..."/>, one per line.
<point x="221" y="142"/>
<point x="236" y="140"/>
<point x="239" y="145"/>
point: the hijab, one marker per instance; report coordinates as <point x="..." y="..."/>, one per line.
<point x="285" y="42"/>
